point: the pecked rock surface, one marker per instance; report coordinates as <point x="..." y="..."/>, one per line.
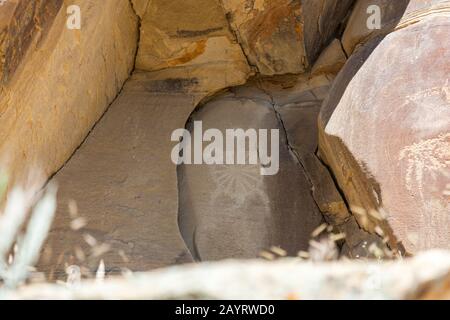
<point x="232" y="211"/>
<point x="385" y="131"/>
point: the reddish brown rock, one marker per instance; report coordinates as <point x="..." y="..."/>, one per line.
<point x="385" y="130"/>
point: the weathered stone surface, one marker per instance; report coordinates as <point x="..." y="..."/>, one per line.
<point x="232" y="211"/>
<point x="140" y="7"/>
<point x="124" y="182"/>
<point x="331" y="60"/>
<point x="271" y="34"/>
<point x="322" y="20"/>
<point x="394" y="15"/>
<point x="197" y="81"/>
<point x="383" y="131"/>
<point x="357" y="31"/>
<point x="387" y="140"/>
<point x="423" y="277"/>
<point x="298" y="101"/>
<point x="21" y="23"/>
<point x="283" y="36"/>
<point x="64" y="85"/>
<point x="192" y="34"/>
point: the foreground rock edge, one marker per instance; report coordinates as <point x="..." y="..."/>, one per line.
<point x="425" y="276"/>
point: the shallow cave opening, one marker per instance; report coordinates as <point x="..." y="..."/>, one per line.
<point x="94" y="108"/>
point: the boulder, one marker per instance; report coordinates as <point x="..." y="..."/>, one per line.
<point x="331" y="60"/>
<point x="384" y="130"/>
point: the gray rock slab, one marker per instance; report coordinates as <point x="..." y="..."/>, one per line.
<point x="125" y="185"/>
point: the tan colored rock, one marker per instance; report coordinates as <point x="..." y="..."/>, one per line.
<point x="282" y="36"/>
<point x="384" y="131"/>
<point x="140" y="7"/>
<point x="21" y="22"/>
<point x="331" y="60"/>
<point x="192" y="34"/>
<point x="64" y="84"/>
<point x="270" y="33"/>
<point x="198" y="81"/>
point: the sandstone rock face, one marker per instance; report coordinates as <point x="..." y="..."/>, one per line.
<point x="21" y="22"/>
<point x="358" y="30"/>
<point x="383" y="128"/>
<point x="66" y="79"/>
<point x="284" y="36"/>
<point x="127" y="190"/>
<point x="322" y="19"/>
<point x="298" y="107"/>
<point x="270" y="33"/>
<point x="298" y="101"/>
<point x="394" y="14"/>
<point x="387" y="140"/>
<point x="232" y="211"/>
<point x="194" y="34"/>
<point x="331" y="60"/>
<point x="125" y="184"/>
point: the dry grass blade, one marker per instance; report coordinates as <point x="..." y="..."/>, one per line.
<point x="10" y="222"/>
<point x="319" y="230"/>
<point x="278" y="251"/>
<point x="78" y="223"/>
<point x="31" y="244"/>
<point x="336" y="237"/>
<point x="267" y="255"/>
<point x="100" y="275"/>
<point x="90" y="240"/>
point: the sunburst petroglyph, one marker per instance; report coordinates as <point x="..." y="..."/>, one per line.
<point x="239" y="183"/>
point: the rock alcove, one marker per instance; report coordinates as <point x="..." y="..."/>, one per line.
<point x="94" y="108"/>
